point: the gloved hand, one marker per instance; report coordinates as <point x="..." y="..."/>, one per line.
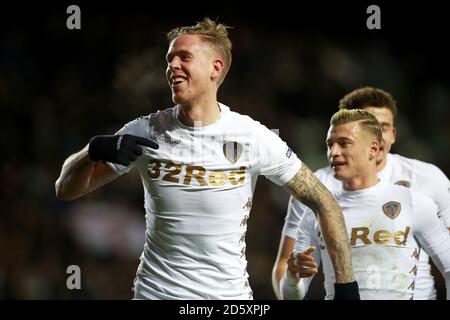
<point x="121" y="149"/>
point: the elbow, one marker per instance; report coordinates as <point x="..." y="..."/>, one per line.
<point x="61" y="193"/>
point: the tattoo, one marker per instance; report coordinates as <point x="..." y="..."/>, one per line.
<point x="306" y="188"/>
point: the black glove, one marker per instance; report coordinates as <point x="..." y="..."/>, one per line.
<point x="121" y="149"/>
<point x="346" y="291"/>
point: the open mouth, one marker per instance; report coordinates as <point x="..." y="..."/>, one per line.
<point x="337" y="165"/>
<point x="175" y="81"/>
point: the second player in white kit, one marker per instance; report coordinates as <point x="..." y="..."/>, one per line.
<point x="392" y="168"/>
<point x="401" y="171"/>
<point x="388" y="225"/>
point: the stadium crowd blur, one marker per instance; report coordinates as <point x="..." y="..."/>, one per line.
<point x="58" y="88"/>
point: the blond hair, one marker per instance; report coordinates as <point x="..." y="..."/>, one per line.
<point x="366" y="121"/>
<point x="214" y="33"/>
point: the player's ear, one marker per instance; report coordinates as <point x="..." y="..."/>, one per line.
<point x="217" y="68"/>
<point x="374" y="150"/>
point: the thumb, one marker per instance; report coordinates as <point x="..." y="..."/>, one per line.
<point x="309" y="250"/>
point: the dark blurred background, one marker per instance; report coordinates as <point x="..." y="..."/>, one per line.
<point x="291" y="65"/>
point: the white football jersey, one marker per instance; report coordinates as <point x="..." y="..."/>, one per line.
<point x="198" y="189"/>
<point x="399" y="170"/>
<point x="388" y="227"/>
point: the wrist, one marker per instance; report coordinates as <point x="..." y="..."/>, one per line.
<point x="291" y="279"/>
<point x="292" y="289"/>
<point x="95" y="148"/>
<point x="346" y="291"/>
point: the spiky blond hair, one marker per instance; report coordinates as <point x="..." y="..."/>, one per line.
<point x="366" y="121"/>
<point x="214" y="33"/>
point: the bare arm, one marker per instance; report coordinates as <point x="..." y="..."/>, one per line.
<point x="286" y="247"/>
<point x="80" y="175"/>
<point x="305" y="187"/>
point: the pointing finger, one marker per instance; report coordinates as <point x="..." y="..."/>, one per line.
<point x="309" y="250"/>
<point x="146" y="142"/>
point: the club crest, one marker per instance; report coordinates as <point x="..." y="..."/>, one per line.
<point x="392" y="209"/>
<point x="232" y="151"/>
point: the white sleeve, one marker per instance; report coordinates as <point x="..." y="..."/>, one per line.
<point x="272" y="157"/>
<point x="432" y="236"/>
<point x="436" y="185"/>
<point x="293" y="288"/>
<point x="138" y="127"/>
<point x="295" y="211"/>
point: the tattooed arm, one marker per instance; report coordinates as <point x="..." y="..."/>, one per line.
<point x="305" y="187"/>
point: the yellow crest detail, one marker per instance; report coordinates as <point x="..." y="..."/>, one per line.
<point x="232" y="151"/>
<point x="392" y="209"/>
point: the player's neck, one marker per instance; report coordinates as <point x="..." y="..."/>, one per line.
<point x="382" y="164"/>
<point x="361" y="182"/>
<point x="199" y="114"/>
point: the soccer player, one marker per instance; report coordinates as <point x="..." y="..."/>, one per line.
<point x="394" y="168"/>
<point x="198" y="163"/>
<point x="388" y="224"/>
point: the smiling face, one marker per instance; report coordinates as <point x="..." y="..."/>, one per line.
<point x="351" y="151"/>
<point x="193" y="68"/>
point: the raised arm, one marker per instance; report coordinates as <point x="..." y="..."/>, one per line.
<point x="305" y="187"/>
<point x="86" y="170"/>
<point x="80" y="175"/>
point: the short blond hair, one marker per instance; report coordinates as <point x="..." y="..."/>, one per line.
<point x="214" y="33"/>
<point x="366" y="121"/>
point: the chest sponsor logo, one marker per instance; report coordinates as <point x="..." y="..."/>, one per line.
<point x="392" y="209"/>
<point x="364" y="235"/>
<point x="232" y="151"/>
<point x="194" y="175"/>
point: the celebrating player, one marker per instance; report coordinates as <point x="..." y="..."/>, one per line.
<point x="394" y="168"/>
<point x="199" y="179"/>
<point x="388" y="225"/>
